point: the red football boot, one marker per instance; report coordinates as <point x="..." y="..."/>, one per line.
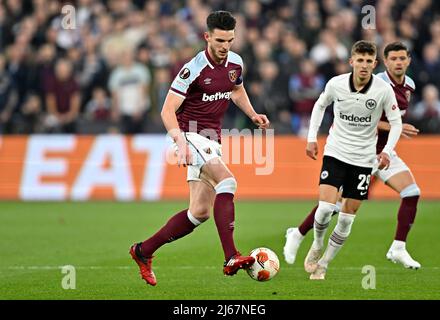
<point x="144" y="266"/>
<point x="236" y="263"/>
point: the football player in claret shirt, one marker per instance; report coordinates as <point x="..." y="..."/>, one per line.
<point x="193" y="112"/>
<point x="398" y="176"/>
<point x="359" y="98"/>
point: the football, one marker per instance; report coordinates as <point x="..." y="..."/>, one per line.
<point x="266" y="264"/>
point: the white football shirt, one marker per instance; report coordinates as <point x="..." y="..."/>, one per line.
<point x="353" y="135"/>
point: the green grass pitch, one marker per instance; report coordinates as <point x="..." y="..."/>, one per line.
<point x="36" y="239"/>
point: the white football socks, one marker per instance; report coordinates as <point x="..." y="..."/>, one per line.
<point x="338" y="237"/>
<point x="398" y="245"/>
<point x="323" y="216"/>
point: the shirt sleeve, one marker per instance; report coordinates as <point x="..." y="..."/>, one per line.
<point x="324" y="100"/>
<point x="394" y="118"/>
<point x="239" y="80"/>
<point x="183" y="80"/>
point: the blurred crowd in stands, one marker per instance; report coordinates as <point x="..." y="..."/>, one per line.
<point x="111" y="72"/>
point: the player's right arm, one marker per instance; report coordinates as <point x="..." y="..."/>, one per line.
<point x="171" y="105"/>
<point x="318" y="112"/>
<point x="174" y="99"/>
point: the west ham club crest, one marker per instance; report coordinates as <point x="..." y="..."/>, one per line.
<point x="233" y="75"/>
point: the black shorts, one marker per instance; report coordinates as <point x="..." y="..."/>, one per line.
<point x="354" y="180"/>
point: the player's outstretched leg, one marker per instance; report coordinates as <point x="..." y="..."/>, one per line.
<point x="336" y="241"/>
<point x="224" y="216"/>
<point x="405" y="219"/>
<point x="177" y="227"/>
<point x="294" y="236"/>
<point x="322" y="219"/>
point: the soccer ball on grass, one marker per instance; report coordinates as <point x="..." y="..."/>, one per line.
<point x="266" y="264"/>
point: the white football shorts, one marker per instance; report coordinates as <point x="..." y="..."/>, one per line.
<point x="202" y="150"/>
<point x="396" y="166"/>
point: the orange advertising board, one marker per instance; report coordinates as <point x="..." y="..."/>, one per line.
<point x="126" y="168"/>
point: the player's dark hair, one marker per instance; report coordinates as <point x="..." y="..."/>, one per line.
<point x="395" y="46"/>
<point x="222" y="20"/>
<point x="363" y="46"/>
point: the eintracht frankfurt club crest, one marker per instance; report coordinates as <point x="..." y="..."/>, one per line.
<point x="370" y="104"/>
<point x="233" y="75"/>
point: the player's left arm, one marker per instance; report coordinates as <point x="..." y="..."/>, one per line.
<point x="240" y="98"/>
<point x="394" y="118"/>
